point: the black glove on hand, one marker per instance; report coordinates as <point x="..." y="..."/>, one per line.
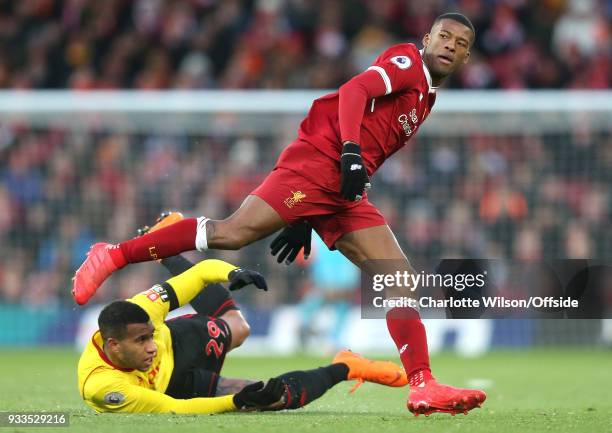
<point x="353" y="172"/>
<point x="239" y="278"/>
<point x="293" y="239"/>
<point x="256" y="395"/>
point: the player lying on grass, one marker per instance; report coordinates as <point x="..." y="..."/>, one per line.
<point x="320" y="180"/>
<point x="137" y="362"/>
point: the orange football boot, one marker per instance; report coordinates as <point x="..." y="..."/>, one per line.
<point x="365" y="370"/>
<point x="164" y="220"/>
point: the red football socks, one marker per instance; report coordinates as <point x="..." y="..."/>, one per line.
<point x="117" y="256"/>
<point x="408" y="332"/>
<point x="166" y="242"/>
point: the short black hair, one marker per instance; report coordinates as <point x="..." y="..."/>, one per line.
<point x="460" y="18"/>
<point x="115" y="317"/>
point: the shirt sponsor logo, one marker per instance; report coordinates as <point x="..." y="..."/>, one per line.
<point x="296" y="198"/>
<point x="405" y="119"/>
<point x="114" y="398"/>
<point x="402" y="62"/>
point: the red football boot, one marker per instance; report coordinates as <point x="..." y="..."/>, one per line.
<point x="96" y="268"/>
<point x="99" y="265"/>
<point x="433" y="397"/>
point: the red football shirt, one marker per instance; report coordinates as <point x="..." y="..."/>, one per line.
<point x="388" y="103"/>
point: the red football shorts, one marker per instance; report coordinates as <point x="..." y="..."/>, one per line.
<point x="297" y="198"/>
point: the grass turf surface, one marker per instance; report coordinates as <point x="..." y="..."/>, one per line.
<point x="535" y="391"/>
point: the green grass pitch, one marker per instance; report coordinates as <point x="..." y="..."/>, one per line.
<point x="535" y="391"/>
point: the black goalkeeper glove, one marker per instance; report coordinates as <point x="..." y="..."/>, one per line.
<point x="354" y="177"/>
<point x="291" y="240"/>
<point x="256" y="395"/>
<point x="239" y="278"/>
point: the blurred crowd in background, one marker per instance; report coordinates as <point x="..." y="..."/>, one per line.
<point x="281" y="44"/>
<point x="522" y="196"/>
<point x="525" y="196"/>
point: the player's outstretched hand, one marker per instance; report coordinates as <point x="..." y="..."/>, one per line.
<point x="354" y="177"/>
<point x="239" y="278"/>
<point x="258" y="396"/>
<point x="290" y="241"/>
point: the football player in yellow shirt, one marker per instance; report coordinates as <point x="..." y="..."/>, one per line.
<point x="139" y="362"/>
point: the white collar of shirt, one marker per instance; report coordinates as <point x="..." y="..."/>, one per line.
<point x="432" y="89"/>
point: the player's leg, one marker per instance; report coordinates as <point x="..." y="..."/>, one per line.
<point x="253" y="220"/>
<point x="281" y="199"/>
<point x="304" y="386"/>
<point x="362" y="235"/>
<point x="376" y="251"/>
<point x="301" y="386"/>
<point x="259" y="215"/>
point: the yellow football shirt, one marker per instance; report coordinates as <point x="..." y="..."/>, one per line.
<point x="108" y="388"/>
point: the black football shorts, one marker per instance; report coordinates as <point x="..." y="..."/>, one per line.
<point x="200" y="344"/>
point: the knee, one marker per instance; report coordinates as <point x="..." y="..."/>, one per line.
<point x="241" y="333"/>
<point x="239" y="327"/>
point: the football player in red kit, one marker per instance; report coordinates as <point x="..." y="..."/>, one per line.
<point x="321" y="181"/>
